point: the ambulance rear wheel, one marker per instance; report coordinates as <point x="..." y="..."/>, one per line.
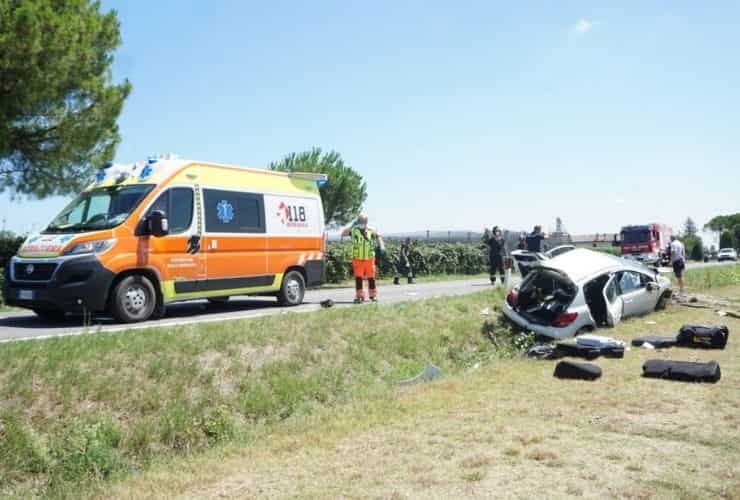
<point x="292" y="290"/>
<point x="133" y="299"/>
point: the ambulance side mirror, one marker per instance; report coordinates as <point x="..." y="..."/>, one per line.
<point x="158" y="224"/>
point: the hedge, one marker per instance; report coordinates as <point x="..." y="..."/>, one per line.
<point x="426" y="259"/>
<point x="9" y="245"/>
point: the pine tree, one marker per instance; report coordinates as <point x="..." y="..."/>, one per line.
<point x="58" y="105"/>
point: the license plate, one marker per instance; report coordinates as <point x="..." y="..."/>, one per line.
<point x="25" y="294"/>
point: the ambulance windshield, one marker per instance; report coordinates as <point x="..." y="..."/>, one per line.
<point x="101" y="208"/>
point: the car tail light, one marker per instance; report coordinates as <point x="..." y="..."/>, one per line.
<point x="564" y="319"/>
<point x="511" y="298"/>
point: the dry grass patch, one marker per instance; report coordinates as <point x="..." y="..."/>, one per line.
<point x="476" y="461"/>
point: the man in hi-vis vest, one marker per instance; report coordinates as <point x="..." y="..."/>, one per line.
<point x="365" y="241"/>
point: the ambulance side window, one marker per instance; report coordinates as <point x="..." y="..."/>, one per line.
<point x="233" y="211"/>
<point x="181" y="210"/>
<point x="177" y="204"/>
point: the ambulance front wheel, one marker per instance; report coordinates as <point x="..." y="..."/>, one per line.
<point x="292" y="290"/>
<point x="133" y="299"/>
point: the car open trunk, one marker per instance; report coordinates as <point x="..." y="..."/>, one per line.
<point x="544" y="295"/>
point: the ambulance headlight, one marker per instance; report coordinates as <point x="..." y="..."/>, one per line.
<point x="94" y="246"/>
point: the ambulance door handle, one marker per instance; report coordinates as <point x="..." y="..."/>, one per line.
<point x="194" y="244"/>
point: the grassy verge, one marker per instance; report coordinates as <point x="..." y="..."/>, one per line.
<point x="504" y="429"/>
<point x="79" y="414"/>
<point x="706" y="278"/>
<point x="83" y="410"/>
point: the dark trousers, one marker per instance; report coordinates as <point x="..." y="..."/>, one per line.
<point x="496" y="264"/>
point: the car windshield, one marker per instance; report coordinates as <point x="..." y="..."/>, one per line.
<point x="637" y="236"/>
<point x="101" y="208"/>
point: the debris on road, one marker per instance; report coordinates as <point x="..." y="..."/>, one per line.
<point x="327" y="303"/>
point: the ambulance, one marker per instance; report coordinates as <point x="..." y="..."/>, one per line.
<point x="147" y="234"/>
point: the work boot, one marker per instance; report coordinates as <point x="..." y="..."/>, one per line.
<point x="395" y="281"/>
<point x="493" y="280"/>
<point x="373" y="299"/>
<point x="359" y="300"/>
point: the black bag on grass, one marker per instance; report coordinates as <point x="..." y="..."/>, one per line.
<point x="579" y="371"/>
<point x="563" y="349"/>
<point x="708" y="337"/>
<point x="612" y="352"/>
<point x="576" y="351"/>
<point x="657" y="342"/>
<point x="685" y="371"/>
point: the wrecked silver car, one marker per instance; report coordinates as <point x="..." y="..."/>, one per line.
<point x="581" y="290"/>
<point x="527" y="260"/>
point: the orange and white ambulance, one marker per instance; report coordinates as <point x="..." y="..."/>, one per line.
<point x="147" y="234"/>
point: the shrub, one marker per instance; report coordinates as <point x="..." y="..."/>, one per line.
<point x="426" y="259"/>
<point x="9" y="245"/>
<point x="697" y="251"/>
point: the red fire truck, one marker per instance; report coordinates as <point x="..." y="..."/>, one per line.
<point x="648" y="243"/>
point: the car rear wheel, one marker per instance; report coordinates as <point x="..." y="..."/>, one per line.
<point x="50" y="314"/>
<point x="292" y="290"/>
<point x="133" y="299"/>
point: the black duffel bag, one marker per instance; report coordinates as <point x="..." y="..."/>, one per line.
<point x="579" y="371"/>
<point x="657" y="342"/>
<point x="708" y="337"/>
<point x="685" y="371"/>
<point x="573" y="350"/>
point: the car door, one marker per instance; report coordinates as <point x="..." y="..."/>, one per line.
<point x="636" y="297"/>
<point x="614" y="305"/>
<point x="176" y="255"/>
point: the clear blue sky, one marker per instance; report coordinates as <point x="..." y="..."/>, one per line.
<point x="458" y="114"/>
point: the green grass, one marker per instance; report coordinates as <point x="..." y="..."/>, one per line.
<point x="706" y="278"/>
<point x="82" y="410"/>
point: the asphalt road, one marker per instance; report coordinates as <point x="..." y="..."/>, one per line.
<point x="27" y="326"/>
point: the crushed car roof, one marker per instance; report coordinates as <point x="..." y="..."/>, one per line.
<point x="582" y="263"/>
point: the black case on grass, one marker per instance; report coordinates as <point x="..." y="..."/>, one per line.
<point x="685" y="371"/>
<point x="658" y="342"/>
<point x="563" y="349"/>
<point x="579" y="371"/>
<point x="707" y="337"/>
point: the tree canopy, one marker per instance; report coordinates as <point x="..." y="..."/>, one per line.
<point x="727" y="240"/>
<point x="344" y="193"/>
<point x="722" y="222"/>
<point x="58" y="104"/>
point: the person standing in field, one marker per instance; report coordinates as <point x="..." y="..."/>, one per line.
<point x="535" y="239"/>
<point x="365" y="242"/>
<point x="404" y="263"/>
<point x="496" y="255"/>
<point x="678" y="260"/>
